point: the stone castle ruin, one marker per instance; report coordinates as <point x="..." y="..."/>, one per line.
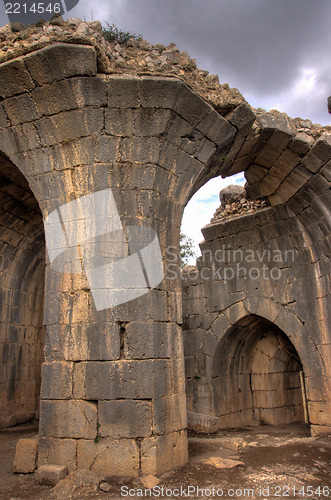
<point x="205" y="351"/>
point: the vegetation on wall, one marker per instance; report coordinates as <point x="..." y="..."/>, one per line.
<point x="112" y="34"/>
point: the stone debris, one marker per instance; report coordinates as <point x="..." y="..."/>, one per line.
<point x="198" y="422"/>
<point x="104" y="486"/>
<point x="234" y="203"/>
<point x="79" y="481"/>
<point x="26" y="455"/>
<point x="222" y="463"/>
<point x="50" y="475"/>
<point x="132" y="57"/>
<point x="137" y="57"/>
<point x="150" y="481"/>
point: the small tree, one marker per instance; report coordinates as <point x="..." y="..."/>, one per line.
<point x="186" y="250"/>
<point x="112" y="34"/>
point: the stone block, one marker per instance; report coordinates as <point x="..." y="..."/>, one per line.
<point x="326" y="171"/>
<point x="267" y="156"/>
<point x="111" y="457"/>
<point x="191" y="107"/>
<point x="25" y="460"/>
<point x="126" y="379"/>
<point x="70" y="125"/>
<point x="220" y="326"/>
<point x="90" y="341"/>
<point x="319" y="413"/>
<point x="14" y="78"/>
<point x="269" y="184"/>
<point x="302" y="143"/>
<point x="120" y="122"/>
<point x="19" y="138"/>
<point x="320" y="430"/>
<point x="159" y="454"/>
<point x="192" y="341"/>
<point x="4" y="123"/>
<point x="205" y="151"/>
<point x="272" y="121"/>
<point x="59" y="61"/>
<point x="242" y="118"/>
<point x="90" y="91"/>
<point x="107" y="149"/>
<point x="312" y="162"/>
<point x="140" y="150"/>
<point x="68" y="419"/>
<point x="209" y="344"/>
<point x="239" y="165"/>
<point x="151" y="122"/>
<point x="287" y="161"/>
<point x="58" y="452"/>
<point x="125" y="419"/>
<point x="150" y="340"/>
<point x="199" y="422"/>
<point x="56" y="380"/>
<point x="169" y="414"/>
<point x="76" y="482"/>
<point x="280" y="139"/>
<point x="180" y="449"/>
<point x="123" y="92"/>
<point x="217" y="129"/>
<point x="50" y="475"/>
<point x="322" y="147"/>
<point x="158" y="92"/>
<point x="21" y="109"/>
<point x="250" y="145"/>
<point x="297" y="178"/>
<point x="70" y="94"/>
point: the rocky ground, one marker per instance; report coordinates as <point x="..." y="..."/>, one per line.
<point x="261" y="463"/>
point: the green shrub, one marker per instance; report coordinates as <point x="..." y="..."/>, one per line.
<point x="112" y="34"/>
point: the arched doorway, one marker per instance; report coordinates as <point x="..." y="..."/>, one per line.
<point x="257" y="376"/>
<point x="22" y="269"/>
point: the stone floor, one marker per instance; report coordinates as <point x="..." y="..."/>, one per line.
<point x="262" y="462"/>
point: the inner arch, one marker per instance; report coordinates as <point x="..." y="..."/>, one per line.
<point x="257" y="376"/>
<point x="22" y="270"/>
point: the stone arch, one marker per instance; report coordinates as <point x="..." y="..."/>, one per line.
<point x="72" y="131"/>
<point x="22" y="267"/>
<point x="203" y="390"/>
<point x="285" y="319"/>
<point x="256" y="376"/>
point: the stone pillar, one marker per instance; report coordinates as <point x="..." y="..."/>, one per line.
<point x="113" y="386"/>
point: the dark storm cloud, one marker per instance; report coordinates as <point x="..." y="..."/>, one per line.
<point x="258" y="46"/>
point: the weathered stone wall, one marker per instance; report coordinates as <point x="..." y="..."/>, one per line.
<point x="73" y="132"/>
<point x="22" y="269"/>
<point x="81" y="116"/>
<point x="289" y="287"/>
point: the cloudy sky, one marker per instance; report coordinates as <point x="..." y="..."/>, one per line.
<point x="276" y="52"/>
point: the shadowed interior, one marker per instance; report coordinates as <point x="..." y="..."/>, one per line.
<point x="256" y="376"/>
<point x="22" y="268"/>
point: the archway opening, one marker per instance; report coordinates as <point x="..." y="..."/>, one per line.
<point x="258" y="376"/>
<point x="22" y="271"/>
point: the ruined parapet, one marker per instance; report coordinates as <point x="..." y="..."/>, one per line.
<point x="277" y="154"/>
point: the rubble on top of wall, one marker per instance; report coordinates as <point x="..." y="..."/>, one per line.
<point x="234" y="203"/>
<point x="137" y="57"/>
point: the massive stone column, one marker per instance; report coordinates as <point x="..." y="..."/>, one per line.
<point x="113" y="388"/>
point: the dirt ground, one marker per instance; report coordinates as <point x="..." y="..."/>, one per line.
<point x="276" y="462"/>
